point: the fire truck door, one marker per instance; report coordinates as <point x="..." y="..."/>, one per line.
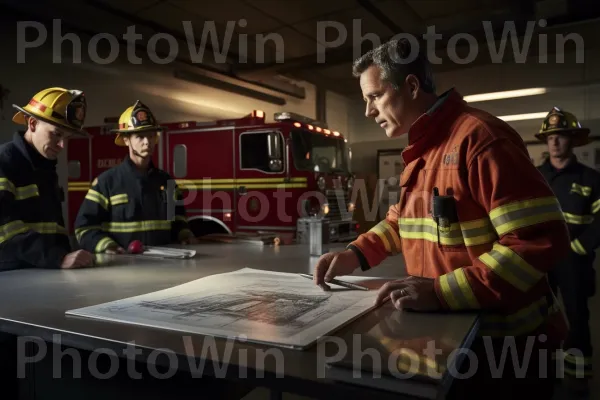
<point x="202" y="163"/>
<point x="78" y="176"/>
<point x="260" y="182"/>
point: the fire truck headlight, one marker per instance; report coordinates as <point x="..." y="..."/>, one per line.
<point x="325" y="209"/>
<point x="351" y="207"/>
<point x="321" y="183"/>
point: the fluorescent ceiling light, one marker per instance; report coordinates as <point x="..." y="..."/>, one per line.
<point x="524" y="117"/>
<point x="509" y="94"/>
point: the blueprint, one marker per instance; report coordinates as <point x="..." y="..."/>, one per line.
<point x="278" y="308"/>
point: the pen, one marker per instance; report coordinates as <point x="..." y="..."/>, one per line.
<point x="340" y="283"/>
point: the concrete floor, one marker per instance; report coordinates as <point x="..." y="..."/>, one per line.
<point x="261" y="393"/>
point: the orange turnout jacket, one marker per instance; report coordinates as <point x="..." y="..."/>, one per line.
<point x="505" y="231"/>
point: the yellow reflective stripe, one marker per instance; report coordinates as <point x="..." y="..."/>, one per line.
<point x="519" y="214"/>
<point x="47" y="228"/>
<point x="97" y="198"/>
<point x="7" y="185"/>
<point x="25" y="192"/>
<point x="138" y="226"/>
<point x="578" y="373"/>
<point x="103" y="244"/>
<point x="184" y="234"/>
<point x="79" y="232"/>
<point x="21" y="192"/>
<point x="119" y="199"/>
<point x="577" y="359"/>
<point x="585" y="191"/>
<point x="426" y="229"/>
<point x="523" y="321"/>
<point x="388" y="236"/>
<point x="478" y="232"/>
<point x="181" y="218"/>
<point x="11" y="229"/>
<point x="457" y="291"/>
<point x="596" y="206"/>
<point x="509" y="266"/>
<point x="577" y="247"/>
<point x="578" y="219"/>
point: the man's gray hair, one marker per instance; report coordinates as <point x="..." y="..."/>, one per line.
<point x="396" y="61"/>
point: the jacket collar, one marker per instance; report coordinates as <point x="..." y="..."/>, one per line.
<point x="573" y="165"/>
<point x="31" y="154"/>
<point x="431" y="126"/>
<point x="132" y="169"/>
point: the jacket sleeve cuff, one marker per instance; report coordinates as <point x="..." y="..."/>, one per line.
<point x="438" y="291"/>
<point x="364" y="265"/>
<point x="578" y="248"/>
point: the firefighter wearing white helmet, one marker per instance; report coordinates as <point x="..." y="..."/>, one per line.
<point x="134" y="200"/>
<point x="32" y="228"/>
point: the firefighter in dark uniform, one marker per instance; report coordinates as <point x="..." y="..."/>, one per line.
<point x="134" y="200"/>
<point x="32" y="228"/>
<point x="577" y="188"/>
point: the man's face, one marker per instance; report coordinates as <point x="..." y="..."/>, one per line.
<point x="48" y="139"/>
<point x="559" y="146"/>
<point x="142" y="144"/>
<point x="392" y="109"/>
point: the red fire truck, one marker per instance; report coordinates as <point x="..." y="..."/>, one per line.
<point x="239" y="176"/>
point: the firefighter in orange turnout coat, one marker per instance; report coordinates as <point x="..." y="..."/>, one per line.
<point x="483" y="244"/>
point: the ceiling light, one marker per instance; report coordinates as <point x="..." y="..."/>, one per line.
<point x="509" y="94"/>
<point x="524" y="117"/>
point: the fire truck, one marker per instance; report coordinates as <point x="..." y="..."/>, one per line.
<point x="239" y="177"/>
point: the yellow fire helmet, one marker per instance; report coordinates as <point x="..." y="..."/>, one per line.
<point x="137" y="118"/>
<point x="61" y="107"/>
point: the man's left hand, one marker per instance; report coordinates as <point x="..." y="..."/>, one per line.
<point x="190" y="240"/>
<point x="414" y="293"/>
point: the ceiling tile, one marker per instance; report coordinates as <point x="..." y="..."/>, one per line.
<point x="296" y="44"/>
<point x="256" y="21"/>
<point x="131" y="6"/>
<point x="293" y="11"/>
<point x="356" y="21"/>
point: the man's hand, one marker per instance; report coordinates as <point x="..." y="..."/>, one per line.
<point x="77" y="259"/>
<point x="414" y="293"/>
<point x="190" y="240"/>
<point x="114" y="249"/>
<point x="334" y="264"/>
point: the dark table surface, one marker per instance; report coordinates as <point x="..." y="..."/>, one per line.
<point x="34" y="302"/>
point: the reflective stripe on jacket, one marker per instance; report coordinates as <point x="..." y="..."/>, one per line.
<point x="32" y="229"/>
<point x="507" y="224"/>
<point x="125" y="205"/>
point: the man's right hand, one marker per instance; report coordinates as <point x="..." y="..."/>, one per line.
<point x="78" y="259"/>
<point x="114" y="249"/>
<point x="334" y="264"/>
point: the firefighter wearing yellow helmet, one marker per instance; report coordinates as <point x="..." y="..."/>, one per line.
<point x="32" y="228"/>
<point x="577" y="188"/>
<point x="134" y="200"/>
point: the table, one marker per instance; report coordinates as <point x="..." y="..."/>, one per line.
<point x="33" y="304"/>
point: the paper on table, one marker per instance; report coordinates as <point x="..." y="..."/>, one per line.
<point x="283" y="309"/>
<point x="168" y="252"/>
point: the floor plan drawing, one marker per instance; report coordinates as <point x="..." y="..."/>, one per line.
<point x="272" y="307"/>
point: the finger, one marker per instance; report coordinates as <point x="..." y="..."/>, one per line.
<point x="331" y="271"/>
<point x="321" y="269"/>
<point x="395" y="295"/>
<point x="406" y="303"/>
<point x="388" y="288"/>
